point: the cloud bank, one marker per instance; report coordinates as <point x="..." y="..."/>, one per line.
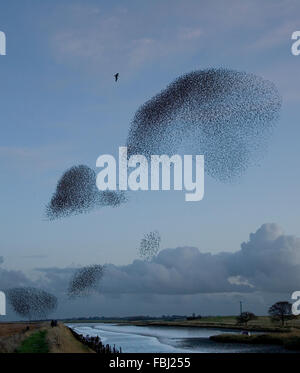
<point x="269" y="261"/>
<point x="266" y="265"/>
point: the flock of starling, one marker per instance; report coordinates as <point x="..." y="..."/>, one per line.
<point x="225" y="115"/>
<point x="150" y="245"/>
<point x="31" y="302"/>
<point x="84" y="280"/>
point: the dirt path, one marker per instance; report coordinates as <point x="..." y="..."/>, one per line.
<point x="61" y="340"/>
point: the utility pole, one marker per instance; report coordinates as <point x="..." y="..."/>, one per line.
<point x="241" y="307"/>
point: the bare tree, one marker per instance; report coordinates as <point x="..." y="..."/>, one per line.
<point x="245" y="317"/>
<point x="281" y="311"/>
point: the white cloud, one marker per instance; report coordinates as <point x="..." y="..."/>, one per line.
<point x="239" y="280"/>
<point x="190" y="33"/>
<point x="276" y="36"/>
<point x="128" y="39"/>
<point x="185" y="270"/>
<point x="121" y="39"/>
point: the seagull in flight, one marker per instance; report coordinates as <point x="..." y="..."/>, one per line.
<point x="116" y="76"/>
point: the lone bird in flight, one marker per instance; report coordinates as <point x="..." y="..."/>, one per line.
<point x="116" y="76"/>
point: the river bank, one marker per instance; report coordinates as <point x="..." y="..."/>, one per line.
<point x="261" y="324"/>
<point x="289" y="340"/>
<point x="23" y="337"/>
<point x="208" y="325"/>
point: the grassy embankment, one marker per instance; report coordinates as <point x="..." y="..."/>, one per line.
<point x="40" y="338"/>
<point x="36" y="343"/>
<point x="289" y="340"/>
<point x="13" y="334"/>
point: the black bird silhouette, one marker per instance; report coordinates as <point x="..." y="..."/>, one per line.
<point x="116" y="76"/>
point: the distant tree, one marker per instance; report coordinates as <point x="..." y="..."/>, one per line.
<point x="281" y="311"/>
<point x="194" y="317"/>
<point x="245" y="317"/>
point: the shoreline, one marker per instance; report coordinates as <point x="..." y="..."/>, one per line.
<point x="261" y="324"/>
<point x="193" y="324"/>
<point x="209" y="326"/>
<point x="250" y="328"/>
<point x="289" y="340"/>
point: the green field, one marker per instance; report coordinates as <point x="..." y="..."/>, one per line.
<point x="262" y="323"/>
<point x="36" y="343"/>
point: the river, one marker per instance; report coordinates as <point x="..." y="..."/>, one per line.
<point x="166" y="339"/>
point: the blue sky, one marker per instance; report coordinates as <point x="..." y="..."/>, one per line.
<point x="60" y="107"/>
